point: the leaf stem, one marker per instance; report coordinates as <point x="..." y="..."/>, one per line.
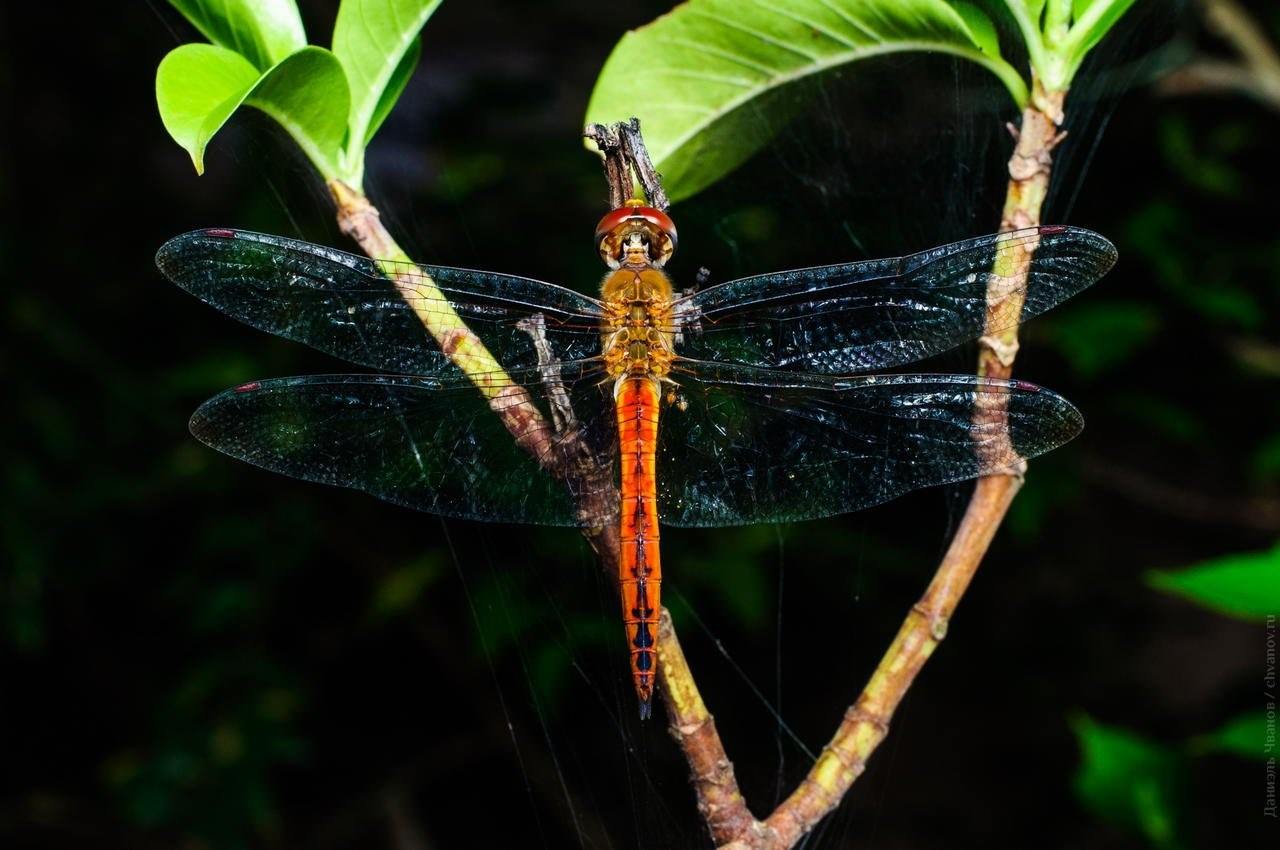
<point x="1032" y="37"/>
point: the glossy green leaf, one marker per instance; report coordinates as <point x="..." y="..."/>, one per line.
<point x="1245" y="586"/>
<point x="1094" y="20"/>
<point x="980" y="27"/>
<point x="262" y="31"/>
<point x="199" y="87"/>
<point x="377" y="43"/>
<point x="395" y="87"/>
<point x="1079" y="7"/>
<point x="712" y="80"/>
<point x="1130" y="781"/>
<point x="1247" y="735"/>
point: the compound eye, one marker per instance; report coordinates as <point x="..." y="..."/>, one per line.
<point x="618" y="224"/>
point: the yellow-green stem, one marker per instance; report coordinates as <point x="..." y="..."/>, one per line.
<point x="866" y="722"/>
<point x="510" y="402"/>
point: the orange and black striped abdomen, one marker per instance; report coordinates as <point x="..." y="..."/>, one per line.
<point x="640" y="572"/>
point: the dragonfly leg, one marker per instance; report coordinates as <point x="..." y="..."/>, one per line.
<point x="561" y="410"/>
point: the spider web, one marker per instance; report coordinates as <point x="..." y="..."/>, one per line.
<point x="894" y="156"/>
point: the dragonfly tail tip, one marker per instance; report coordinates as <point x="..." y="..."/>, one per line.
<point x="646" y="708"/>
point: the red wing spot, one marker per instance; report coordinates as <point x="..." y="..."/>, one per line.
<point x="249" y="387"/>
<point x="1049" y="229"/>
<point x="1026" y="386"/>
<point x="220" y="233"/>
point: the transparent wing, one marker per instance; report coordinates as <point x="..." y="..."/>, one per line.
<point x="427" y="442"/>
<point x="756" y="446"/>
<point x="883" y="313"/>
<point x="349" y="306"/>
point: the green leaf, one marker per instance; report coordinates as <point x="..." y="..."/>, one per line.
<point x="1130" y="781"/>
<point x="1244" y="586"/>
<point x="199" y="87"/>
<point x="1246" y="735"/>
<point x="395" y="87"/>
<point x="1093" y="21"/>
<point x="1079" y="7"/>
<point x="262" y="31"/>
<point x="712" y="80"/>
<point x="980" y="27"/>
<point x="377" y="43"/>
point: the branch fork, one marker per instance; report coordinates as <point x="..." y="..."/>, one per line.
<point x="557" y="447"/>
<point x="866" y="722"/>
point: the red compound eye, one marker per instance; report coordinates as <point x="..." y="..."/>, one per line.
<point x="636" y="215"/>
<point x="617" y="224"/>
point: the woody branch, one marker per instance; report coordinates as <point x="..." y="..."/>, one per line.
<point x="866" y="722"/>
<point x="555" y="446"/>
<point x="1254" y="71"/>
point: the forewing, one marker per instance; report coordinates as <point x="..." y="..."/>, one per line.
<point x="754" y="446"/>
<point x="430" y="443"/>
<point x="884" y="313"/>
<point x="351" y="307"/>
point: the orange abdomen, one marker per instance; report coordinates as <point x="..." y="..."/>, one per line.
<point x="640" y="572"/>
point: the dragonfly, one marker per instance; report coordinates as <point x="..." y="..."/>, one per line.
<point x="765" y="399"/>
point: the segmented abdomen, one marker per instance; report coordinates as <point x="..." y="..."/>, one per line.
<point x="640" y="572"/>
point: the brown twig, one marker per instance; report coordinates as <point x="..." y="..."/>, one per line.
<point x="694" y="730"/>
<point x="1256" y="513"/>
<point x="627" y="162"/>
<point x="723" y="808"/>
<point x="1254" y="73"/>
<point x="866" y="722"/>
<point x="561" y="452"/>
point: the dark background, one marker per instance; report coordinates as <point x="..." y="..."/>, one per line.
<point x="194" y="653"/>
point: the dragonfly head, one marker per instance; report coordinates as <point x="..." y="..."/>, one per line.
<point x="635" y="234"/>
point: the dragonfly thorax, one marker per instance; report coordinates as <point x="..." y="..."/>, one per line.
<point x="637" y="332"/>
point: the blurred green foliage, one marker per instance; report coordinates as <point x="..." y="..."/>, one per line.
<point x="1132" y="782"/>
<point x="1142" y="785"/>
<point x="1099" y="335"/>
<point x="225" y="727"/>
<point x="1246" y="586"/>
<point x="201" y="655"/>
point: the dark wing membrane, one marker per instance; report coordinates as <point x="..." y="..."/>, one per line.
<point x="884" y="313"/>
<point x="434" y="444"/>
<point x="754" y="446"/>
<point x="349" y="307"/>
